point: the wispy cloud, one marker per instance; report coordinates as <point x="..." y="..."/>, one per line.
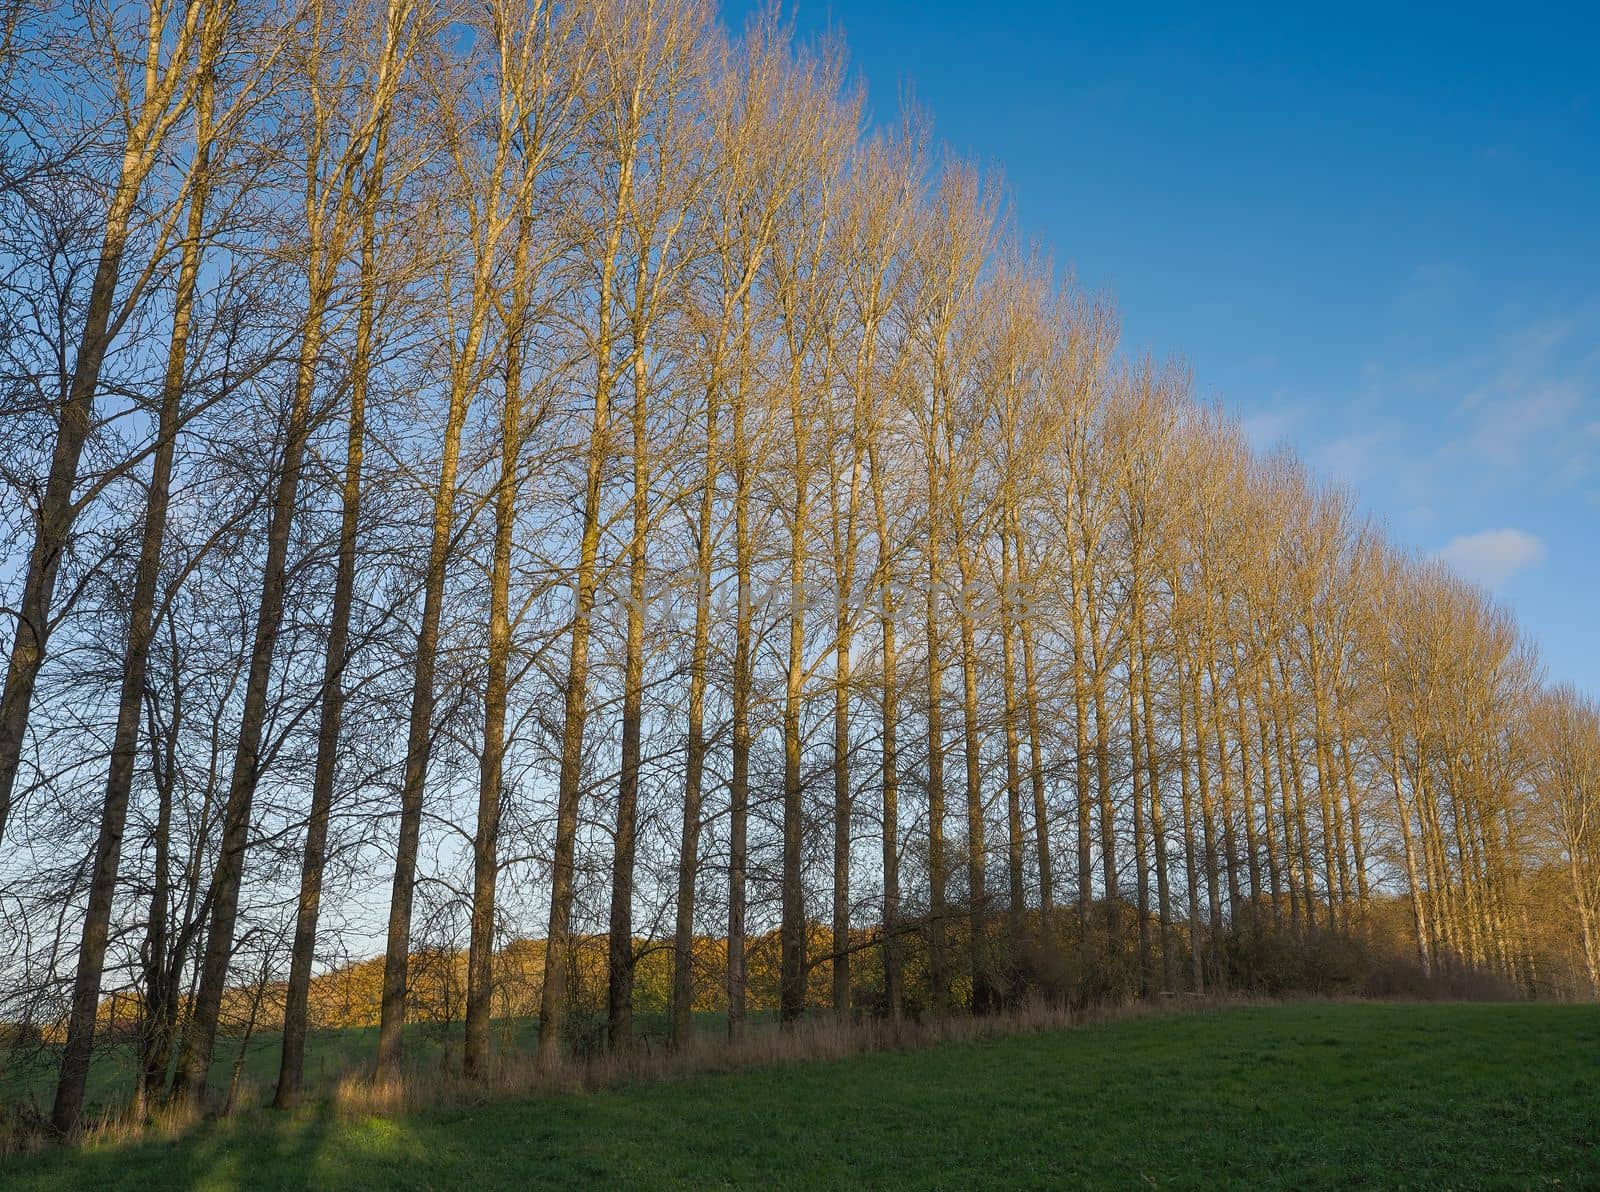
<point x="1350" y="458"/>
<point x="1268" y="427"/>
<point x="1524" y="419"/>
<point x="1492" y="557"/>
<point x="1523" y="423"/>
<point x="1505" y="419"/>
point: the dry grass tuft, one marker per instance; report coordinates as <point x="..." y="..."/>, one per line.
<point x="812" y="1039"/>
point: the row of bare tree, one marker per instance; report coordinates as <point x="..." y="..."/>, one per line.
<point x="555" y="464"/>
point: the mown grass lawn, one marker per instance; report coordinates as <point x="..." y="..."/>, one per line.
<point x="1317" y="1095"/>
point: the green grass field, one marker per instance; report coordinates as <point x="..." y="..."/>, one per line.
<point x="31" y="1076"/>
<point x="1316" y="1095"/>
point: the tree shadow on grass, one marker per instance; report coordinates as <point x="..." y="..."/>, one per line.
<point x="254" y="1149"/>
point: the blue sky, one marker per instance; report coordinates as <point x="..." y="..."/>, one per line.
<point x="1373" y="232"/>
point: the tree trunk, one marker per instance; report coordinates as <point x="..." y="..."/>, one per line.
<point x="893" y="979"/>
<point x="291" y="1067"/>
<point x="1101" y="666"/>
<point x="1269" y="836"/>
<point x="1080" y="766"/>
<point x="419" y="736"/>
<point x="938" y="973"/>
<point x="1419" y="915"/>
<point x="1016" y="905"/>
<point x="1141" y="873"/>
<point x="1030" y="698"/>
<point x="841" y="787"/>
<point x="1191" y="867"/>
<point x="619" y="939"/>
<point x="76" y="1054"/>
<point x="1230" y="853"/>
<point x="739" y="776"/>
<point x="558" y="944"/>
<point x="1169" y="974"/>
<point x="1252" y="856"/>
<point x="983" y="994"/>
<point x="681" y="1023"/>
<point x="160" y="1002"/>
<point x="195" y="1061"/>
<point x="792" y="933"/>
<point x="491" y="765"/>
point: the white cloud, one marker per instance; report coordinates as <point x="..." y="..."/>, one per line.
<point x="1492" y="557"/>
